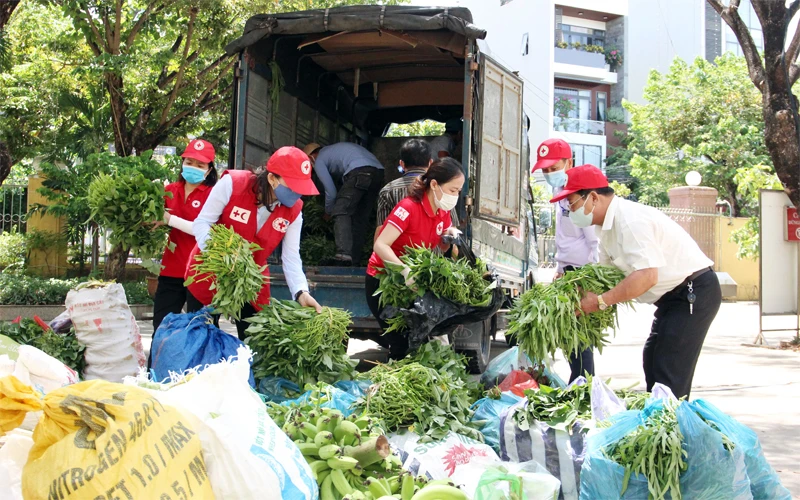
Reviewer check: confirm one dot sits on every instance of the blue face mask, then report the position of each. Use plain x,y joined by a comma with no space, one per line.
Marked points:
193,175
286,196
556,179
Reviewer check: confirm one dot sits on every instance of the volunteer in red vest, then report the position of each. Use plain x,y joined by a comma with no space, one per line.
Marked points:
263,207
420,219
189,194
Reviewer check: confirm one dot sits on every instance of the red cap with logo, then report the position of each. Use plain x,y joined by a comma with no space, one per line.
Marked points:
551,152
294,167
199,150
583,177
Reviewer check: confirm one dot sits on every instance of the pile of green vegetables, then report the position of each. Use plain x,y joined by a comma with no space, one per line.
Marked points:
654,450
38,334
350,456
228,262
558,408
296,343
128,203
428,401
544,319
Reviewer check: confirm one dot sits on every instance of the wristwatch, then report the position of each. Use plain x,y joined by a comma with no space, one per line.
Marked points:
601,304
298,294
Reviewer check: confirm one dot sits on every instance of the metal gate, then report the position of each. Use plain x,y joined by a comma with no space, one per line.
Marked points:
14,208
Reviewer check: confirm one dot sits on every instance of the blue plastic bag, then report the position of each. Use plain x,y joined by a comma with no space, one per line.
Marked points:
764,482
514,359
278,390
190,340
356,388
713,472
488,411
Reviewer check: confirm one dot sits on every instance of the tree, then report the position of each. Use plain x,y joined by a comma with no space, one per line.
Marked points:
705,117
6,9
422,128
773,76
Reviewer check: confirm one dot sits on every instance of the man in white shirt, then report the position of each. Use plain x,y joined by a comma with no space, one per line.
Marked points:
663,266
445,145
575,246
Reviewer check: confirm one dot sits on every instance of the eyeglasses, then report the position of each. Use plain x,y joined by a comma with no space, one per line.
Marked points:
570,205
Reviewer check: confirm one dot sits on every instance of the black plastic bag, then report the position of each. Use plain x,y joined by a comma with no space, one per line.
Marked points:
430,314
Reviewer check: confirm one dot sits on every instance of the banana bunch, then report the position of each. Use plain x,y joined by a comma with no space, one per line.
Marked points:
351,459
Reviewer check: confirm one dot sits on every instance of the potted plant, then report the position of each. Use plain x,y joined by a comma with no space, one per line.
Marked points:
152,285
613,57
563,107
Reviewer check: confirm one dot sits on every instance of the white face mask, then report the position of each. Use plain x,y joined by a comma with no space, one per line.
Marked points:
581,219
447,202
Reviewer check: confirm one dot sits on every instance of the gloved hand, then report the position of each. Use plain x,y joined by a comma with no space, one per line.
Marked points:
450,235
409,279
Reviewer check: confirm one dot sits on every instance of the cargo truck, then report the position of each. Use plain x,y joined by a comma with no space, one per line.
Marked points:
348,74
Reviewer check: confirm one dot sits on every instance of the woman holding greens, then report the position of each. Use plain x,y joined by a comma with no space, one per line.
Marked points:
189,194
420,219
265,208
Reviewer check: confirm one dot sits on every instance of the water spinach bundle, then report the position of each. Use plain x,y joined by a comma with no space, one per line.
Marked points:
543,319
296,343
558,408
228,262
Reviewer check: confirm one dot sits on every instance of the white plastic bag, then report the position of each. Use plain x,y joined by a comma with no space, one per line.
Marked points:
105,325
42,371
14,450
439,459
605,403
536,483
246,454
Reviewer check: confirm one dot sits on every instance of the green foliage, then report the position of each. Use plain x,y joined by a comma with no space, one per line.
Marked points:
613,56
136,292
620,190
558,408
615,115
13,250
64,348
422,128
24,290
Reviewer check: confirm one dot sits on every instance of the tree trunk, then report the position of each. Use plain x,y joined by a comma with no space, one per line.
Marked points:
5,162
6,9
119,118
115,263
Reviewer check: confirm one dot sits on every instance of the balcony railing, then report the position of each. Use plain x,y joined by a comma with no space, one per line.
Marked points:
579,126
580,58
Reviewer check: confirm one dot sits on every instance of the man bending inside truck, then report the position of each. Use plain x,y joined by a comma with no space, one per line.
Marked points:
415,158
352,177
445,145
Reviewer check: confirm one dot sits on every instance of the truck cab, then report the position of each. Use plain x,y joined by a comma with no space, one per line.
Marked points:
348,74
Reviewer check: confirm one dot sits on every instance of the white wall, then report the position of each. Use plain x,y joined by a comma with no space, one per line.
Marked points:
657,31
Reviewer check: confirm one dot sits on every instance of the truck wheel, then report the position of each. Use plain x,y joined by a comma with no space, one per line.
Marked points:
479,359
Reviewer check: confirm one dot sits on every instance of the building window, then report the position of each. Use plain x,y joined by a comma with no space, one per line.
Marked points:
524,44
750,20
573,103
587,154
601,106
578,34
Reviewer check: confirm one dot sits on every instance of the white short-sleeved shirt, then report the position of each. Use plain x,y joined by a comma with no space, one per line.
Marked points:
635,237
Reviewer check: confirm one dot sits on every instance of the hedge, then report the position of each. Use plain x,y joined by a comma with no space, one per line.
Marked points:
24,290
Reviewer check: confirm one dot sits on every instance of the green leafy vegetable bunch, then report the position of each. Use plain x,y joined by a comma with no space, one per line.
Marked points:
544,319
64,348
558,408
296,343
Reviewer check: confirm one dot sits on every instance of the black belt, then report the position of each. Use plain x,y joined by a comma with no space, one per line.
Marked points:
692,277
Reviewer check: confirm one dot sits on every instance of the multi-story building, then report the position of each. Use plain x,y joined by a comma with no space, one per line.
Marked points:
561,50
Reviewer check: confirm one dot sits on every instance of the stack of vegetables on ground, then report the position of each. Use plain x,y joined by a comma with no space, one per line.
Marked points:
228,262
296,343
454,280
558,408
37,333
350,456
543,319
430,401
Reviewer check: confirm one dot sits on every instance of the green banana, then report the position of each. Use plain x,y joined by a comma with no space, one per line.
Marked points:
326,489
386,485
342,463
329,451
346,429
408,487
323,438
322,475
445,482
309,430
394,484
322,423
363,422
308,449
376,488
440,492
340,482
318,466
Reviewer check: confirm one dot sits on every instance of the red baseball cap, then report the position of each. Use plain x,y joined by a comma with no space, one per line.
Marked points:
199,150
583,177
295,168
551,152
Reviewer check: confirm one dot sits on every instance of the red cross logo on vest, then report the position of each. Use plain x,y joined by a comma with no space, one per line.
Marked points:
439,228
240,215
280,224
196,204
305,167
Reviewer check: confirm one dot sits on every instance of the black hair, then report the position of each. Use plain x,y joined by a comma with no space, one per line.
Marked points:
415,153
261,187
442,171
212,176
606,191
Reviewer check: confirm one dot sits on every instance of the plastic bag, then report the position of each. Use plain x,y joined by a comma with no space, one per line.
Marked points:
356,388
247,455
764,482
103,440
8,347
61,323
190,341
105,325
14,450
499,481
439,459
488,411
605,403
514,378
430,314
278,390
42,371
560,452
514,360
713,472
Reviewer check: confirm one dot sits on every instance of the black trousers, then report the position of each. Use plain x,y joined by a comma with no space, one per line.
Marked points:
676,337
194,305
396,342
355,203
582,363
170,298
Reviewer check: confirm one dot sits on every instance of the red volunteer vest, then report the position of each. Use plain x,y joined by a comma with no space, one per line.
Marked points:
240,214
